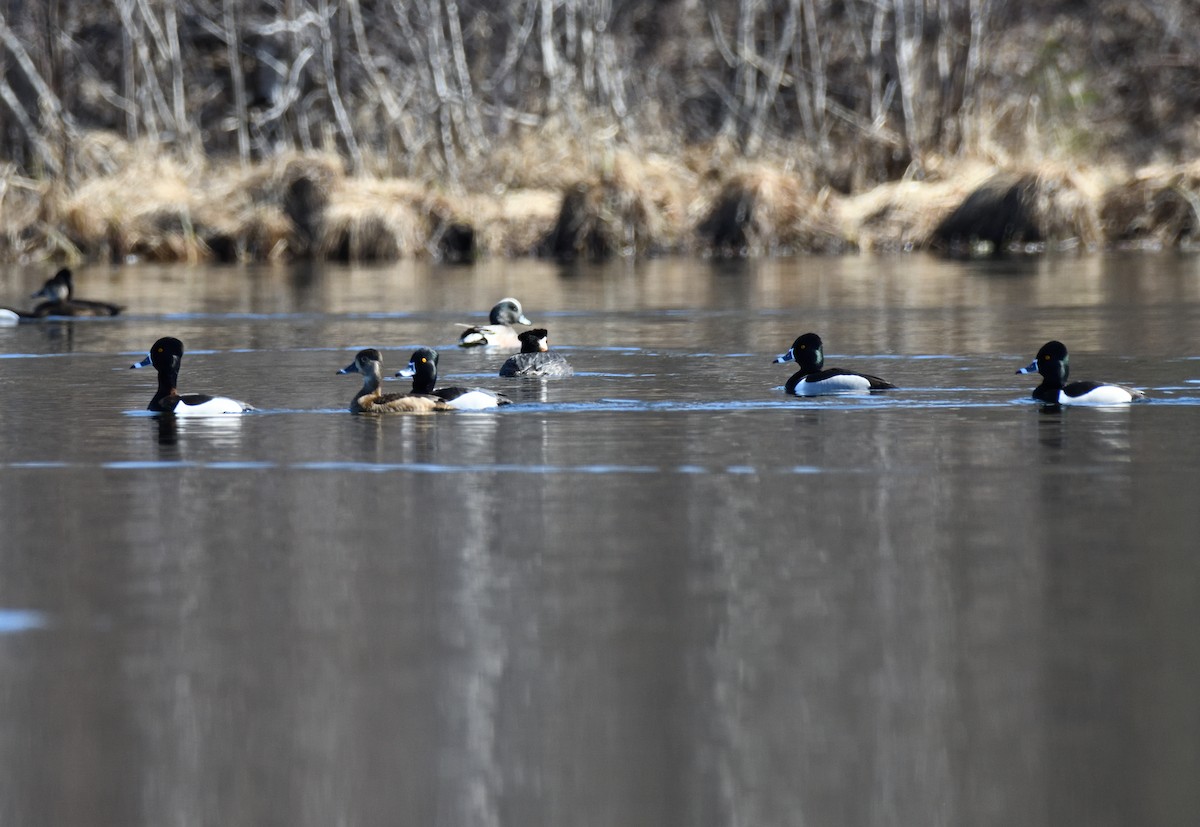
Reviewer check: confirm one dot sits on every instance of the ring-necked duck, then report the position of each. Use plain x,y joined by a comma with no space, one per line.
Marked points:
59,292
166,356
813,379
1052,363
369,399
422,367
498,332
535,358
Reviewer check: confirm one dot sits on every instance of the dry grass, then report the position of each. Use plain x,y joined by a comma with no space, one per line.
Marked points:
513,223
1053,204
903,215
368,219
629,206
760,210
1065,205
22,202
142,209
1154,208
134,203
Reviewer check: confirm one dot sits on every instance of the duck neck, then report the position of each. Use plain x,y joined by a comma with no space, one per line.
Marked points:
811,366
1054,376
424,379
167,381
371,382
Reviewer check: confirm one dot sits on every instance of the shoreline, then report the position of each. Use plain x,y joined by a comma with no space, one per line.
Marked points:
151,206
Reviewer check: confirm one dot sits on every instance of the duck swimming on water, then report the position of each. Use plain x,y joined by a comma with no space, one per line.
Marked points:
536,359
59,294
1053,363
166,356
422,367
370,399
814,379
499,331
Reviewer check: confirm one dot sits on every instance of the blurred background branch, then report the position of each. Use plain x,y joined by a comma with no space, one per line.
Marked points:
861,90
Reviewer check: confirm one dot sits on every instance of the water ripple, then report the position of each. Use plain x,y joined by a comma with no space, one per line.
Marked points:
426,467
21,620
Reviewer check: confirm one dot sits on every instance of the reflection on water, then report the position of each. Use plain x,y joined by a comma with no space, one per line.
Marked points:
206,433
658,592
18,620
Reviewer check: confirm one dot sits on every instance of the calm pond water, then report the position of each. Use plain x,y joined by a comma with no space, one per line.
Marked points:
657,593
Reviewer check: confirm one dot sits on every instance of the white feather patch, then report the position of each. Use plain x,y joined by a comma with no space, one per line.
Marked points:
846,383
213,407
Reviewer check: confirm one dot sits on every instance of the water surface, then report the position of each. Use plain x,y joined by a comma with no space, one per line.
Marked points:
659,592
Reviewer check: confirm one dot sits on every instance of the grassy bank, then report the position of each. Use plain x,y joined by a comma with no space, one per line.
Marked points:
142,204
361,129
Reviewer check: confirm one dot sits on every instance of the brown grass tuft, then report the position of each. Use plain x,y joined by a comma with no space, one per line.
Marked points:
305,183
632,206
762,210
1051,204
136,203
901,215
514,223
1065,206
370,220
142,208
1158,207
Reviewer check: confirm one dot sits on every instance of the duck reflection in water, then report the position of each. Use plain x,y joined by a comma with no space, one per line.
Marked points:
211,436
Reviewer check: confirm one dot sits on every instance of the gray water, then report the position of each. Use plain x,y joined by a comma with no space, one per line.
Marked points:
658,593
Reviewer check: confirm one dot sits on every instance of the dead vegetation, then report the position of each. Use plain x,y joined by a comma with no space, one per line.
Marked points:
371,129
149,206
1023,211
761,211
1157,208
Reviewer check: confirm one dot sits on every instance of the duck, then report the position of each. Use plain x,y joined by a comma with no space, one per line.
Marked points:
166,355
58,292
11,315
535,358
1053,363
369,399
499,331
422,367
814,379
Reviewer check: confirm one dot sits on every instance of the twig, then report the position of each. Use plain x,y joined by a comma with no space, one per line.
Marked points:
335,98
237,80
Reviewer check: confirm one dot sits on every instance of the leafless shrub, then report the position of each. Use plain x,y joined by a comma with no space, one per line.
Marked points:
478,98
434,87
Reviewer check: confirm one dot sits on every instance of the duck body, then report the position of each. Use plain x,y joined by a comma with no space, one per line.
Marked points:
370,399
498,332
536,358
60,301
166,356
814,379
1053,363
422,367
